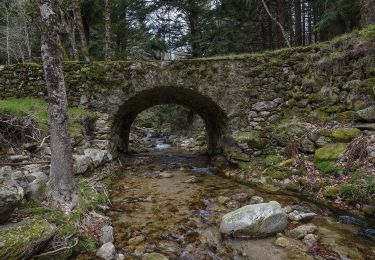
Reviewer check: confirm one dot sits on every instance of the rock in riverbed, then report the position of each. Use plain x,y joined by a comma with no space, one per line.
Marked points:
22,240
107,251
259,220
11,194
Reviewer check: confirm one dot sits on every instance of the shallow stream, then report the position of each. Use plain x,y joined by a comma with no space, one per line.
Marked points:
168,201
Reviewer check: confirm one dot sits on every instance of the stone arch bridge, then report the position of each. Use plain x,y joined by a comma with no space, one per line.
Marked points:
232,93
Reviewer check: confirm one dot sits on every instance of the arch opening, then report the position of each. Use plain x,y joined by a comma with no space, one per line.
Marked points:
213,116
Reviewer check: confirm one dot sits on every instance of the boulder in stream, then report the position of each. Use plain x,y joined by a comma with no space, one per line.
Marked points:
258,220
22,240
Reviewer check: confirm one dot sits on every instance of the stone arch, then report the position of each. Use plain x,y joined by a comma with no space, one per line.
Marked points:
215,119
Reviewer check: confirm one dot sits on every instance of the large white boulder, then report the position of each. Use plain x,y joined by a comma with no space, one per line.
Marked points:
258,220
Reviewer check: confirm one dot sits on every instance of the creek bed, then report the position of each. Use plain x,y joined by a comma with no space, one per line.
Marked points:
168,202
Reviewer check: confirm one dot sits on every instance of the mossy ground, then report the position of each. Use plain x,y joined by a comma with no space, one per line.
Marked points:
38,110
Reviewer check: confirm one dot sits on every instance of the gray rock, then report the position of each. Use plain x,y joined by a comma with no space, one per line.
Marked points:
370,126
107,251
257,220
97,156
11,194
35,190
367,114
256,200
264,106
241,197
300,231
307,146
310,240
301,216
81,163
322,141
107,235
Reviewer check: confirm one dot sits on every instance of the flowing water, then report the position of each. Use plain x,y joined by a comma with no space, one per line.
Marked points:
167,201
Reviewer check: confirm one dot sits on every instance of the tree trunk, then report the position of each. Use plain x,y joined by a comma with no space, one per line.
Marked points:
297,8
195,35
107,22
367,12
285,35
72,39
7,34
81,30
62,191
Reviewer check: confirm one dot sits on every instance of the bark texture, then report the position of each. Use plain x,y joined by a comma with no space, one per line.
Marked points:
81,30
368,12
62,191
107,23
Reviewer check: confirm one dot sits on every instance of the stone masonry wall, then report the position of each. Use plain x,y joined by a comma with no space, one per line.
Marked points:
255,91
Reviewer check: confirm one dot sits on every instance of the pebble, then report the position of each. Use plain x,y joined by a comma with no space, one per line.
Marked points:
256,200
136,240
300,216
107,251
222,199
300,231
310,240
166,175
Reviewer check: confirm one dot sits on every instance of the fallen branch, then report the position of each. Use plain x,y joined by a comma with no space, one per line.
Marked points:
59,249
25,163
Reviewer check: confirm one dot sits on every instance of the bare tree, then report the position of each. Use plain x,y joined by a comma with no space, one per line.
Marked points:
82,36
107,22
285,35
368,12
62,190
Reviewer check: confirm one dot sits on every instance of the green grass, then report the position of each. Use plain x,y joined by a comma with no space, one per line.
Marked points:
368,33
327,167
38,109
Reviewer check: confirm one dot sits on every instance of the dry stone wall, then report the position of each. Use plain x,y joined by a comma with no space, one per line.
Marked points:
333,80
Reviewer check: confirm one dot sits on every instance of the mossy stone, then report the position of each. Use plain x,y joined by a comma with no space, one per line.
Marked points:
22,240
253,138
277,174
330,151
346,117
346,134
287,163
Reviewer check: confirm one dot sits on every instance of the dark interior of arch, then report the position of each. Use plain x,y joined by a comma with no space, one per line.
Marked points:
214,117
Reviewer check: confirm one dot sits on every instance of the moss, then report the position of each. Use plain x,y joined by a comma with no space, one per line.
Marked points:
369,85
330,192
327,167
368,33
277,173
325,132
345,134
16,237
286,163
273,159
253,138
351,194
292,186
244,165
330,151
38,109
66,230
346,117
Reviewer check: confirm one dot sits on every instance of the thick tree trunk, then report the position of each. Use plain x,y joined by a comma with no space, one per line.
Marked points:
195,35
368,12
285,35
298,13
81,30
62,191
107,22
